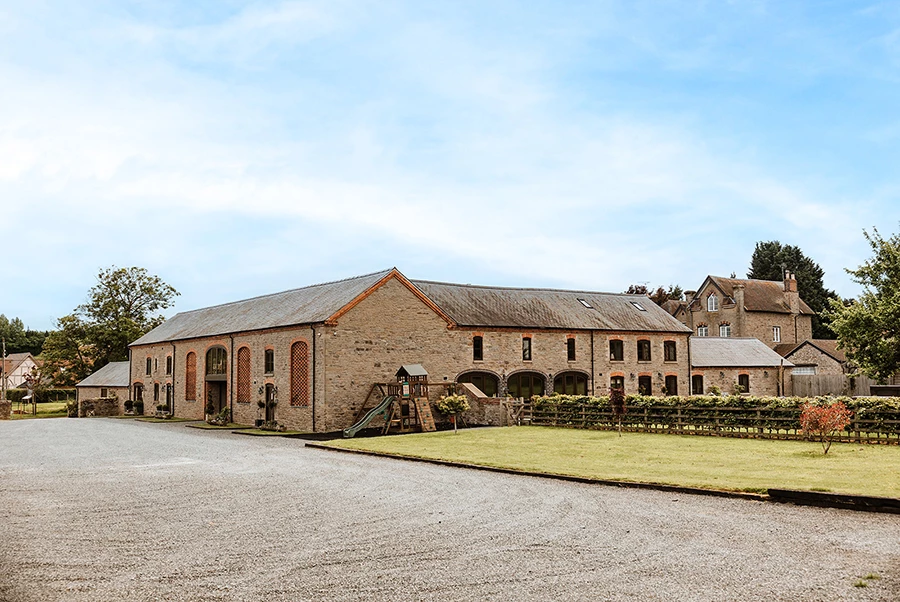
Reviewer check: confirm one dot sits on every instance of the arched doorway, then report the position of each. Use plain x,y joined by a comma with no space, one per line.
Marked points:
487,382
570,383
525,385
216,379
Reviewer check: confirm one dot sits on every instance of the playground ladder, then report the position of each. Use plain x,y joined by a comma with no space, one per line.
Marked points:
423,409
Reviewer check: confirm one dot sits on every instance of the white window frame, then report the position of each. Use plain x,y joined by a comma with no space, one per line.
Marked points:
804,370
712,303
725,331
703,331
776,334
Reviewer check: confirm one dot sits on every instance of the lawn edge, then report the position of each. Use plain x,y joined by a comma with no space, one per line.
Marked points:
782,496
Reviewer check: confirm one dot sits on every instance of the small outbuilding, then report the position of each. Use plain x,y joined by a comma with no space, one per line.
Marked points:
109,382
727,363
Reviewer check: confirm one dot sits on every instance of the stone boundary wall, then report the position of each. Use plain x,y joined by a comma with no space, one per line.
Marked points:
98,407
5,409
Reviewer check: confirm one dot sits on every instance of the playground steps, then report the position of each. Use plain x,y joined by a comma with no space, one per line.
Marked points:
423,409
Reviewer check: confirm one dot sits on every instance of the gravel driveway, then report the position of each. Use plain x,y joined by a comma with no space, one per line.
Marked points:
104,509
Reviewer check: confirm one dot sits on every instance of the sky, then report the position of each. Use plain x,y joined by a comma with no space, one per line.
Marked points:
236,149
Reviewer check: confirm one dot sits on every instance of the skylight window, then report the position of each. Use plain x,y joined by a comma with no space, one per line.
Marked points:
638,305
585,303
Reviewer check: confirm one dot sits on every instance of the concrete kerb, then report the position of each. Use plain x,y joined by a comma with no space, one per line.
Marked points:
801,498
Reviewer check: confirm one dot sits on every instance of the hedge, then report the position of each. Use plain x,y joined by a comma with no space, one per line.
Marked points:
42,395
729,415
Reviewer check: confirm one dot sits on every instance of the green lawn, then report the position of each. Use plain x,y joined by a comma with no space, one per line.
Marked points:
155,419
50,409
691,461
213,427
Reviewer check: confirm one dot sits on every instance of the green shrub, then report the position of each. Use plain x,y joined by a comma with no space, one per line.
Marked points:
72,409
15,395
139,407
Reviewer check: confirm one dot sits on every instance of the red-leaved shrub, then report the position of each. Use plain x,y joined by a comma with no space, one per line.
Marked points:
823,421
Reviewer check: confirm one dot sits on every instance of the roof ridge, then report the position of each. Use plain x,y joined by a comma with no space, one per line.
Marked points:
518,288
290,290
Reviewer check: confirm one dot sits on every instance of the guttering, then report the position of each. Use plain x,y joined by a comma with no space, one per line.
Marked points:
313,378
593,375
231,380
173,378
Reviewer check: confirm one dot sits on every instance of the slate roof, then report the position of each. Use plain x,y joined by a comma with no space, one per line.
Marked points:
525,308
715,352
826,346
465,304
113,374
760,295
307,305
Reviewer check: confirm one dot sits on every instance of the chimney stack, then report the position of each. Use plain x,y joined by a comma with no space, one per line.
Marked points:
790,283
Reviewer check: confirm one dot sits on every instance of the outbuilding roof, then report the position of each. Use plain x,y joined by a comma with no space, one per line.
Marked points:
727,352
113,374
827,346
499,307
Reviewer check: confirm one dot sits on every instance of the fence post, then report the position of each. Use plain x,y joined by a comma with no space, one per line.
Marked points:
678,429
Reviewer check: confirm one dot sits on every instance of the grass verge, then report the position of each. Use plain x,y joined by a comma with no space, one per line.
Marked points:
154,419
232,426
50,409
752,465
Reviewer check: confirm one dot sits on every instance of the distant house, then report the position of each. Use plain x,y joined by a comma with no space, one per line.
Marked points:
109,381
15,368
726,362
815,356
770,311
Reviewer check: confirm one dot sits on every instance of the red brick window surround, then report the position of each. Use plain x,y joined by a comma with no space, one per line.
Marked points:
243,375
190,377
300,374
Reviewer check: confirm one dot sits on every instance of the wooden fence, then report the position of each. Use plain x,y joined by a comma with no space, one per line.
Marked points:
761,422
815,385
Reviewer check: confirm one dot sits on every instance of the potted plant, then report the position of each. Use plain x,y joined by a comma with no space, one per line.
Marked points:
129,407
139,407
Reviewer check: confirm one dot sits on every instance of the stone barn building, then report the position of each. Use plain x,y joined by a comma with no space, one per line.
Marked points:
317,351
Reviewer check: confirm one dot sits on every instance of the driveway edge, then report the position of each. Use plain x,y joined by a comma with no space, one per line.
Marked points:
782,496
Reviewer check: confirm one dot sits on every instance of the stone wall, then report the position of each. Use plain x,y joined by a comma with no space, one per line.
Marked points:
5,409
121,394
763,381
811,356
98,407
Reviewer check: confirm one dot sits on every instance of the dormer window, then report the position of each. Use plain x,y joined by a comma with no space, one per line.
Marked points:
712,303
724,329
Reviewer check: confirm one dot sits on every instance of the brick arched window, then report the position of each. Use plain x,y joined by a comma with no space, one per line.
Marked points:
243,375
300,374
190,377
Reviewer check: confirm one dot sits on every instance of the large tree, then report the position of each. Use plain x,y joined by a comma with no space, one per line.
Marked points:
769,262
122,306
20,339
869,328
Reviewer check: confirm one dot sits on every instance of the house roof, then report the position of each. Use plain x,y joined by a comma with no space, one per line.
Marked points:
307,305
113,374
458,304
488,306
759,295
715,352
14,360
827,346
673,307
